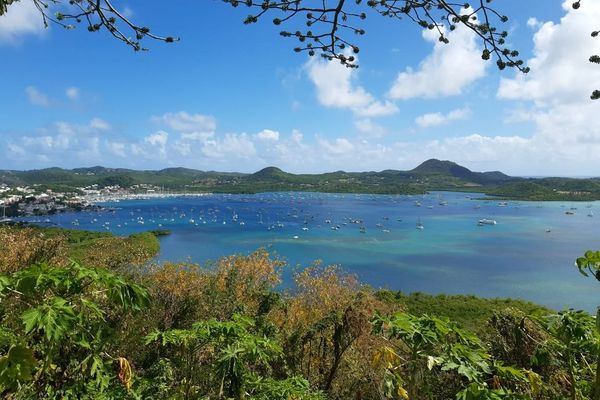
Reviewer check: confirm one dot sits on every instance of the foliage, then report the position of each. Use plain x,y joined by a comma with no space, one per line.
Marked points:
471,312
225,355
573,345
56,335
223,330
22,246
420,347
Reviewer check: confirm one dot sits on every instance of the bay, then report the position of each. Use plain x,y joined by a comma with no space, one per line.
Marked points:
529,254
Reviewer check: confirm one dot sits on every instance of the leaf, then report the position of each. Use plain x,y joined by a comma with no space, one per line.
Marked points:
16,367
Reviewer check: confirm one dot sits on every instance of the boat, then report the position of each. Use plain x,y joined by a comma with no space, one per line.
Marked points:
485,221
590,214
568,212
420,226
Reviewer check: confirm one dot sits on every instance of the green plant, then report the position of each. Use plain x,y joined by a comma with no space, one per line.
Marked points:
420,346
56,335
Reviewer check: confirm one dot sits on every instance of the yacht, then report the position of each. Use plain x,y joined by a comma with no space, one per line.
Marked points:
420,226
485,221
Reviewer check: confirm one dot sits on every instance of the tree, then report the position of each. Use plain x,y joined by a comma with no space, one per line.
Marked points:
594,58
96,14
328,24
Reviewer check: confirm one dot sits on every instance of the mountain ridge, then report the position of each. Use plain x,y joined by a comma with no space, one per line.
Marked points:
432,174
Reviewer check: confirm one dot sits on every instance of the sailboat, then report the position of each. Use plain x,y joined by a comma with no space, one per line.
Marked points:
4,219
420,225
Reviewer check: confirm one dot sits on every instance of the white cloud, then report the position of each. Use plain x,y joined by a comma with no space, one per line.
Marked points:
21,19
72,93
268,135
558,89
99,124
437,119
155,145
188,123
36,97
118,149
157,139
560,70
336,88
337,146
369,128
238,146
447,71
534,23
60,143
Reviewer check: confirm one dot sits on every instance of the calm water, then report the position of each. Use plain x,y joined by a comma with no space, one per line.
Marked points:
518,257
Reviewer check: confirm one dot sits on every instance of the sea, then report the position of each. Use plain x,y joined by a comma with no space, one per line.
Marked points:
427,243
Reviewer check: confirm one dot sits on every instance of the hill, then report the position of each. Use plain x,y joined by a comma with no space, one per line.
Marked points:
430,175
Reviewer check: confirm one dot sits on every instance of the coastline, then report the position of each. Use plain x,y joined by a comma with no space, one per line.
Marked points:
115,198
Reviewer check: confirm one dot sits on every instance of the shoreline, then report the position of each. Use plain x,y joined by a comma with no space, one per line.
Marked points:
115,198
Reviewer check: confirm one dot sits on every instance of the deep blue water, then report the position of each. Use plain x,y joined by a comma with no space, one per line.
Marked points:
518,257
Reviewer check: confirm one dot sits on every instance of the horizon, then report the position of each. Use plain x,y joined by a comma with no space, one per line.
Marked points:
250,172
407,102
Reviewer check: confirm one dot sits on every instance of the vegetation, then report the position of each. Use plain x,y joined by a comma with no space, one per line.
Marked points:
222,331
25,245
430,175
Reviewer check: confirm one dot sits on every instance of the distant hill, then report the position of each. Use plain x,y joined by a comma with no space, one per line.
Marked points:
430,175
449,168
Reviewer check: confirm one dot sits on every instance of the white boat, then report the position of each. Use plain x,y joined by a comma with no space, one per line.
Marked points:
420,226
591,213
485,221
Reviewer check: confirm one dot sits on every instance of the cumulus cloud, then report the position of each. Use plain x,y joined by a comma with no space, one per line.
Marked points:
61,142
336,146
21,19
231,145
268,135
336,87
369,128
447,71
183,121
437,119
558,89
36,97
99,124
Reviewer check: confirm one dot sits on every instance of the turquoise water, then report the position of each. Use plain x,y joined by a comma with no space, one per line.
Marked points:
518,257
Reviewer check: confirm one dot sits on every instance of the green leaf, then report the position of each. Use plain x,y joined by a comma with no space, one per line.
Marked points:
16,367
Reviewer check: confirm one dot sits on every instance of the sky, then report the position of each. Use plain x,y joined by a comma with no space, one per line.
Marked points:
235,97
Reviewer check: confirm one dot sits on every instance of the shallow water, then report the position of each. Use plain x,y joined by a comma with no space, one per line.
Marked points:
452,254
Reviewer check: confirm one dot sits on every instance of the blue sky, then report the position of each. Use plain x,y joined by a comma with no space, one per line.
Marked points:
233,97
